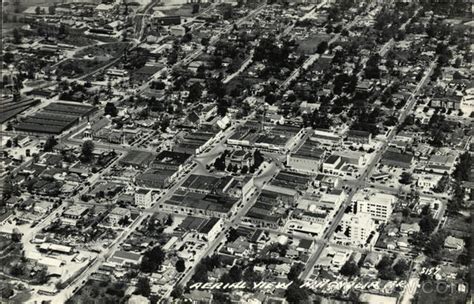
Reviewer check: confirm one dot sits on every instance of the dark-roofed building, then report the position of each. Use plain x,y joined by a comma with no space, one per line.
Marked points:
305,246
137,159
206,184
307,158
54,118
201,204
124,258
396,159
166,20
266,212
156,178
211,229
170,160
359,137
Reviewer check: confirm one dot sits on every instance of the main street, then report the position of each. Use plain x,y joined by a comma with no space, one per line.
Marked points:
361,181
232,222
94,265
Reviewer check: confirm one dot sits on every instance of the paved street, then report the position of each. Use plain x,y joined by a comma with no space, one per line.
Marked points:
361,181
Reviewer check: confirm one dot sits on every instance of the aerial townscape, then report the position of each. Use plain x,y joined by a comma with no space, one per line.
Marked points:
236,151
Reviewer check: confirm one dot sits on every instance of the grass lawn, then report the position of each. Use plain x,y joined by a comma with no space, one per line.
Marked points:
110,50
100,292
78,67
309,46
436,292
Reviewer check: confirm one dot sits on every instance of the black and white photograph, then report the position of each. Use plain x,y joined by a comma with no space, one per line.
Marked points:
236,152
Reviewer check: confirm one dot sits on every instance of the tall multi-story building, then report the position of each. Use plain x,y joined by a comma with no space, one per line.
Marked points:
357,227
378,205
143,198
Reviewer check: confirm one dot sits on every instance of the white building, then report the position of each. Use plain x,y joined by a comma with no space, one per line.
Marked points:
178,30
428,182
143,198
118,214
333,165
357,227
467,101
378,205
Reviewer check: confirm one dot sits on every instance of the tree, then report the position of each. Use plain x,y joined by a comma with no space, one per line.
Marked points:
406,212
257,158
385,262
233,235
228,12
435,244
235,273
250,276
461,172
52,10
49,144
7,292
152,260
372,70
17,270
165,123
295,271
87,150
38,10
219,164
16,235
8,58
187,38
406,178
428,224
177,292
385,269
195,8
123,221
200,275
401,267
169,220
158,85
172,57
16,36
110,109
322,47
143,287
295,294
195,92
180,265
349,268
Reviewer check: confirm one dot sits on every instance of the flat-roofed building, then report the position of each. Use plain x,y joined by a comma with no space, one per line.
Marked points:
355,158
124,258
333,164
359,137
137,159
143,198
378,205
307,158
396,159
357,227
117,214
326,138
156,178
74,213
192,203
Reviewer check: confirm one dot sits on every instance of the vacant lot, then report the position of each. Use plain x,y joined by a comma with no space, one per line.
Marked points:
109,50
100,292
